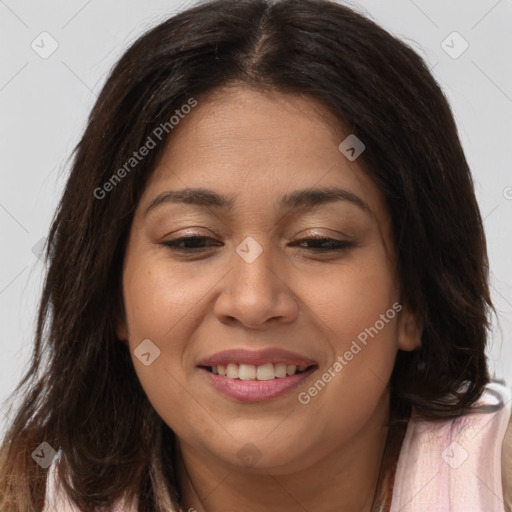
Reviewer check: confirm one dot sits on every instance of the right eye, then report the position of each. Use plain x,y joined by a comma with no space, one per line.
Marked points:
174,245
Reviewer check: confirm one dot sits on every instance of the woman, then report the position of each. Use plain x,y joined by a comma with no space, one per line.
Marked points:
267,286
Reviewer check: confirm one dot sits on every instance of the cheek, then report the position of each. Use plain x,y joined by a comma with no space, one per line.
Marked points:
160,307
159,295
358,308
353,297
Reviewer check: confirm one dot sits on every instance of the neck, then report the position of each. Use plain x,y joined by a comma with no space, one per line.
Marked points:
346,480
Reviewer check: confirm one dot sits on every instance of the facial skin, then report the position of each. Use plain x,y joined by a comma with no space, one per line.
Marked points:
258,147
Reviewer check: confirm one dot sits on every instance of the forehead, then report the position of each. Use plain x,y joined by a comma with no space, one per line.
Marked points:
261,146
243,125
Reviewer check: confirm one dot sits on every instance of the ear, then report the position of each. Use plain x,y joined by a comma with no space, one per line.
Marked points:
410,329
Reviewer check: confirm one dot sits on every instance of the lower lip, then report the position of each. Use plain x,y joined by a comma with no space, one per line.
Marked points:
256,390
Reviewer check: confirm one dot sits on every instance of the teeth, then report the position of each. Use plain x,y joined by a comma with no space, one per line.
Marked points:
246,372
266,371
232,371
290,369
280,370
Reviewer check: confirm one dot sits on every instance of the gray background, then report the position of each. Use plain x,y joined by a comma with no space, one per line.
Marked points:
45,103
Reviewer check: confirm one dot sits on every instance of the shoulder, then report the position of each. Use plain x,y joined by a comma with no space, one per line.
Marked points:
506,464
56,499
464,463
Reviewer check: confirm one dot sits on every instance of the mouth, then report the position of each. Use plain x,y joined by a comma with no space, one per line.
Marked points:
249,376
262,372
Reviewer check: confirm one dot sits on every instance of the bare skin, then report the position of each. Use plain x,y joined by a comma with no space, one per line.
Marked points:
321,455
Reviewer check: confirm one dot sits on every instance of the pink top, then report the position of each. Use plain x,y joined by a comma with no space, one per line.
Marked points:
454,466
445,466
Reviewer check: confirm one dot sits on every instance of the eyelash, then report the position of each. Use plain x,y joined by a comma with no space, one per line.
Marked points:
173,244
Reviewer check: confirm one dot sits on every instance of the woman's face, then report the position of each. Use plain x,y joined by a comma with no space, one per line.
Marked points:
260,289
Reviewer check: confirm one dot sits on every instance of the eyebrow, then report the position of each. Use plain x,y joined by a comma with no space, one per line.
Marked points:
298,199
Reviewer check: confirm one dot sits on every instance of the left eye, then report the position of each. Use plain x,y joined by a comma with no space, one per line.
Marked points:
332,244
323,244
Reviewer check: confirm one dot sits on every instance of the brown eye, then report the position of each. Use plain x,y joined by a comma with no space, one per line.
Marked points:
192,243
325,244
197,243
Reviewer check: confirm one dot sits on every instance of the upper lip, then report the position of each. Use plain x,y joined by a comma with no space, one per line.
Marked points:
256,357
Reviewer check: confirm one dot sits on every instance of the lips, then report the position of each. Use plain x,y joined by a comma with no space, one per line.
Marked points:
254,376
257,358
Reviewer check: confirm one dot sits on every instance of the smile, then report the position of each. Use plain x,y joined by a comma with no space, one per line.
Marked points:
255,376
268,371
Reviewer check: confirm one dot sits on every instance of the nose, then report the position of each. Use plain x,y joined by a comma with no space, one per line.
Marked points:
256,292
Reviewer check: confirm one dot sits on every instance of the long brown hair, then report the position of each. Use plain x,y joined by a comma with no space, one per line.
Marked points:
81,393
